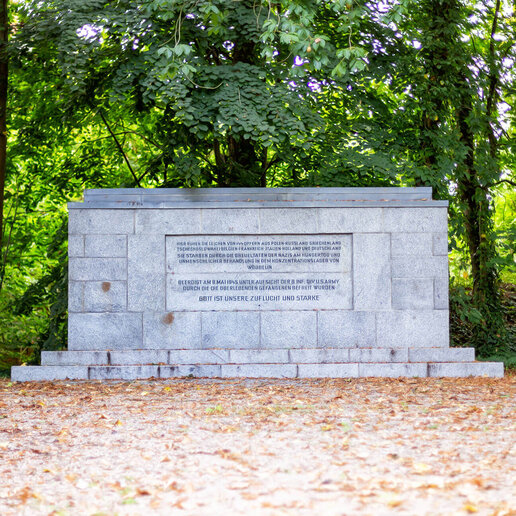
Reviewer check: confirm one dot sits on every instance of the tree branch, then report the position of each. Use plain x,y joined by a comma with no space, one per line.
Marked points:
508,181
126,159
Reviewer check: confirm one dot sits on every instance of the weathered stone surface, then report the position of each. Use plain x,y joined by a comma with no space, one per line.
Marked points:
75,296
412,329
198,356
411,244
76,245
371,277
327,370
392,370
125,372
105,246
461,370
105,296
168,222
219,221
318,356
420,267
42,373
100,221
259,370
440,243
442,355
172,330
292,220
138,357
71,358
198,371
378,355
230,330
441,293
90,331
346,329
288,329
415,220
97,269
146,273
350,220
412,294
258,356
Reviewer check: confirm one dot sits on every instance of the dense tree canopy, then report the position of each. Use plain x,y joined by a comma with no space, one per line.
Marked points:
210,93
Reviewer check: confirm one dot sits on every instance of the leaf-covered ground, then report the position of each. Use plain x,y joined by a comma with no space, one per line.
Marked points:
368,446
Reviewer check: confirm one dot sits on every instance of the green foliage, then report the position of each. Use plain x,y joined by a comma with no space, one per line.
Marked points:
466,319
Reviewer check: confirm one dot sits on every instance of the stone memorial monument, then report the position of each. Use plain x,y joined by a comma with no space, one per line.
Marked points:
253,282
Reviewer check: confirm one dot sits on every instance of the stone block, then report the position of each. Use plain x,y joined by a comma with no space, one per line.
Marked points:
318,356
97,269
415,220
350,220
230,330
138,357
412,294
392,370
100,221
124,372
441,293
104,331
371,271
146,273
259,370
412,329
258,356
420,267
74,358
48,373
198,371
76,245
410,244
327,370
217,221
291,220
346,329
440,244
464,369
75,296
105,246
168,222
378,355
290,329
442,355
105,296
198,356
172,330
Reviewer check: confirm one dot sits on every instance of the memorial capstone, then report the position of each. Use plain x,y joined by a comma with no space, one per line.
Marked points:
279,282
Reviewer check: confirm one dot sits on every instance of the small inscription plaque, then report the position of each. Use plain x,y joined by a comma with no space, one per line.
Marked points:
258,272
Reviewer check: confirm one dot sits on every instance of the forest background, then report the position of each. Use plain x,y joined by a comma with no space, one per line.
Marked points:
223,93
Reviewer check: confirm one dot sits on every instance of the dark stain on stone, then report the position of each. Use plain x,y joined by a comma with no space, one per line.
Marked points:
106,286
169,318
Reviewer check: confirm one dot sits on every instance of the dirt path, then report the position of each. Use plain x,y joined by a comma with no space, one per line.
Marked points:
271,447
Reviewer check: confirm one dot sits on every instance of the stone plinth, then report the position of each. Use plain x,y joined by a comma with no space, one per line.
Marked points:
288,282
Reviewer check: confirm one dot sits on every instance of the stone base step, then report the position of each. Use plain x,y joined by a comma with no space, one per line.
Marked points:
254,370
255,356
